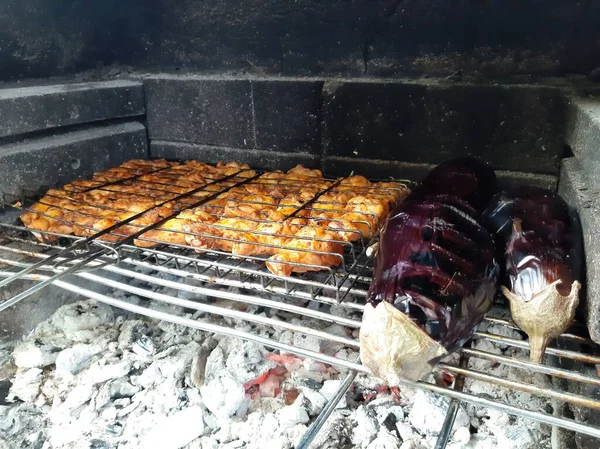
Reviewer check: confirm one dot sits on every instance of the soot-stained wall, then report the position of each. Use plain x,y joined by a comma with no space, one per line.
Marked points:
469,38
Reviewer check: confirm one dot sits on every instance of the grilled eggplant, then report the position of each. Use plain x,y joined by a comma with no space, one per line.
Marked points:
540,238
436,273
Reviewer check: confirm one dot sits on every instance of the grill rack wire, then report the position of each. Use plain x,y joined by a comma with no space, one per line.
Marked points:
115,264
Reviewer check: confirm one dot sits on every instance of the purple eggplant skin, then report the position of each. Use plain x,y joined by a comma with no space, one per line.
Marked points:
543,260
540,238
436,263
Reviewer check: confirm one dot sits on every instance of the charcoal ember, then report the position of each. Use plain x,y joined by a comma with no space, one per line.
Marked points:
198,366
130,331
120,388
461,436
224,396
74,359
246,361
99,373
315,401
330,387
435,276
406,431
540,240
367,426
26,385
515,438
82,315
412,444
35,354
384,440
177,430
431,411
143,346
290,415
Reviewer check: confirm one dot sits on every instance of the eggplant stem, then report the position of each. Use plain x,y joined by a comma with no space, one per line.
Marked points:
537,348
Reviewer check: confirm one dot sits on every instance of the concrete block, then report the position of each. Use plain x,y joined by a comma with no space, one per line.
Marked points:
200,110
36,108
583,135
512,127
287,115
574,186
259,159
57,160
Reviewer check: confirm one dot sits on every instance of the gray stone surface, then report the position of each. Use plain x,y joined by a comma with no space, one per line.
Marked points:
37,108
208,111
287,115
57,160
39,38
583,135
511,127
337,166
267,160
574,186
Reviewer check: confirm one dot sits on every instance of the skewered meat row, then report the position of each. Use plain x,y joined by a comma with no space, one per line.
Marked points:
276,214
86,207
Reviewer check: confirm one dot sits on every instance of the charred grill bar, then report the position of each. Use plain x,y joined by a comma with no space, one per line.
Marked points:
328,128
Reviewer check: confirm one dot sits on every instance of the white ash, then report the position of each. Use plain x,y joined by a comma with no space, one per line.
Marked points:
94,377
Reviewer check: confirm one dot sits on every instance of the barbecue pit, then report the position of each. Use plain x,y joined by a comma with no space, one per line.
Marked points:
106,344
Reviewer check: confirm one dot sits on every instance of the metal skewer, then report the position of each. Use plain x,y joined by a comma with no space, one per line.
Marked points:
314,429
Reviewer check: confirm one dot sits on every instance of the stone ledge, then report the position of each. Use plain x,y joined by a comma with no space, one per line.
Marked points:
37,108
259,159
375,169
574,187
583,135
60,159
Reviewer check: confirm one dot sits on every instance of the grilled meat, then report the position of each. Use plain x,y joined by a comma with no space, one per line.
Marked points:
279,215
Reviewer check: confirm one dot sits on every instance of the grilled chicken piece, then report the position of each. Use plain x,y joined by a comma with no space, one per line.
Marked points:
291,203
256,207
312,246
301,172
352,182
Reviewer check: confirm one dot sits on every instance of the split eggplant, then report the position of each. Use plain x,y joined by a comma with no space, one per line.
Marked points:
540,238
436,273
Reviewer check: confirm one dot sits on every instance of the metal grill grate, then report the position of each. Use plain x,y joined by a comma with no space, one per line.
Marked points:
121,266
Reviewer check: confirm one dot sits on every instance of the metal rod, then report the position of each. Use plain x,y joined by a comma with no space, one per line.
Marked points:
314,198
316,426
201,307
85,241
446,430
539,368
551,351
566,423
528,388
15,299
44,283
201,325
